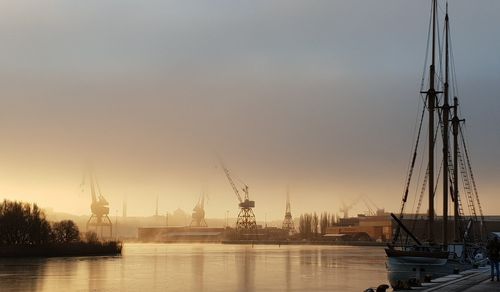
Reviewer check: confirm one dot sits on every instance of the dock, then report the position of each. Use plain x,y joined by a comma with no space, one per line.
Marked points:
468,281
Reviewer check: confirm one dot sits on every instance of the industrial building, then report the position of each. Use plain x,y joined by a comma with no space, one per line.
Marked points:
362,227
380,227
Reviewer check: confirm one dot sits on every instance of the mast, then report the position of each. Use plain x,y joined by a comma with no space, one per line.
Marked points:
455,123
446,117
431,100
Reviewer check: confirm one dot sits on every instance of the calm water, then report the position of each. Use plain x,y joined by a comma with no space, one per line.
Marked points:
199,267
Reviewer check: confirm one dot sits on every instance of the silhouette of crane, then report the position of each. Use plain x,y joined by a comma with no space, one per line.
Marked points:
246,217
288,224
346,208
368,203
198,216
99,206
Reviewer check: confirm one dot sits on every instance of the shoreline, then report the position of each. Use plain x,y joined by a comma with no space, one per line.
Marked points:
299,242
76,249
271,242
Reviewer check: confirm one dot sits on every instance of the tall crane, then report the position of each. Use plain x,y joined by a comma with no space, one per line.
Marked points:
345,208
198,216
288,224
246,217
378,211
99,207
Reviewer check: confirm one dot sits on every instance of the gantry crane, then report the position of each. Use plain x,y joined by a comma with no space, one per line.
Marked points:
198,216
246,218
99,207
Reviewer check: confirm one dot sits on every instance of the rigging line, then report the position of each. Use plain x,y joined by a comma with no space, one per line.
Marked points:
440,49
453,69
435,139
453,65
440,76
450,164
423,97
415,135
422,194
415,138
476,193
467,186
450,170
405,196
426,59
441,8
421,164
437,179
467,190
422,84
412,165
422,79
419,177
420,198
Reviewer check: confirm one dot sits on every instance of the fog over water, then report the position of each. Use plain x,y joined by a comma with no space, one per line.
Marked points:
317,95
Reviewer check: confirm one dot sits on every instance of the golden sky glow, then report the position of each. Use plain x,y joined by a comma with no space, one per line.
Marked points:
320,96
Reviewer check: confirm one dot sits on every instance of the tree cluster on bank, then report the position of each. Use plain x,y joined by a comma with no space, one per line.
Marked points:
23,224
312,226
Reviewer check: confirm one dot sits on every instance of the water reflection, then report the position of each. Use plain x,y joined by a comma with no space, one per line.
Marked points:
21,274
96,274
197,267
288,270
246,269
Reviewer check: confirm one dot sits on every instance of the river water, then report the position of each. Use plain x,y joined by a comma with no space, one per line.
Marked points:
203,267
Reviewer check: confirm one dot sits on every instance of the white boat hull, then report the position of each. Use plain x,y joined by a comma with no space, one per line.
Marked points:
407,272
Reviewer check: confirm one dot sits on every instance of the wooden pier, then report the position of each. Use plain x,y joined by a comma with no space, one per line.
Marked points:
468,281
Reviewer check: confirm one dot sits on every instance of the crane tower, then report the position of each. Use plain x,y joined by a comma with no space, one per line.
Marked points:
346,208
288,224
198,216
99,220
246,218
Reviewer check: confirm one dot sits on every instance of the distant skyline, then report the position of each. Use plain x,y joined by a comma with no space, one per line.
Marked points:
319,96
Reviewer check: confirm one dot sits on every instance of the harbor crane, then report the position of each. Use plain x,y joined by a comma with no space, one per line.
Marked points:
246,218
345,208
198,216
99,207
288,224
372,212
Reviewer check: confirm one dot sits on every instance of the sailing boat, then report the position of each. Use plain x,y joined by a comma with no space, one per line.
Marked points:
411,261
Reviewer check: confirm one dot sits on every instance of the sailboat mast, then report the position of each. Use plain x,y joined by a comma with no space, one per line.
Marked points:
455,122
431,100
446,117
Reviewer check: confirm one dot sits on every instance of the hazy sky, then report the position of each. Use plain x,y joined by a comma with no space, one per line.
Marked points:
321,96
